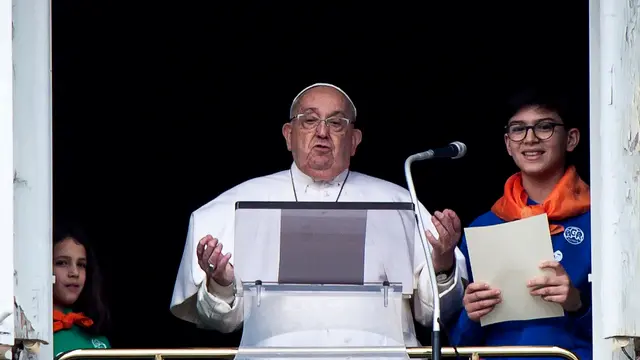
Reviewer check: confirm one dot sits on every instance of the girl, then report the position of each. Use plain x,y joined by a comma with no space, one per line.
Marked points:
80,316
538,138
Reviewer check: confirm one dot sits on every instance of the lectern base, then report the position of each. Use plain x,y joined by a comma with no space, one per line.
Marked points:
322,322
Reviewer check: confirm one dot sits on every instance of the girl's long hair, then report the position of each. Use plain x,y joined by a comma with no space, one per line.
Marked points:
91,301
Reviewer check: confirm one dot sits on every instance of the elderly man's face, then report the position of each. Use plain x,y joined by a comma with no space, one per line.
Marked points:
322,149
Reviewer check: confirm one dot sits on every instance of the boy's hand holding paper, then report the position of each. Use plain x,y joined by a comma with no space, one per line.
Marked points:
513,269
556,287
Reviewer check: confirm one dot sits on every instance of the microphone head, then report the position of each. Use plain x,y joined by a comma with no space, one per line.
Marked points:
462,149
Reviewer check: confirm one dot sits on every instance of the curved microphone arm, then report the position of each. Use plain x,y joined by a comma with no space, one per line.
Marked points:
423,240
455,150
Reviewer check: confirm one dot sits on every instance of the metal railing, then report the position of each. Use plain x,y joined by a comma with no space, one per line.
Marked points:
230,353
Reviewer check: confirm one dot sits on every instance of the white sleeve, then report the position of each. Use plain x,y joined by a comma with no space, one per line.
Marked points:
190,301
451,291
222,310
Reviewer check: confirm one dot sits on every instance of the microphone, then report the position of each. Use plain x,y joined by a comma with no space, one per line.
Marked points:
455,150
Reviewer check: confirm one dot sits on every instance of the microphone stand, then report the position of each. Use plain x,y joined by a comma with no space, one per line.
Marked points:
436,346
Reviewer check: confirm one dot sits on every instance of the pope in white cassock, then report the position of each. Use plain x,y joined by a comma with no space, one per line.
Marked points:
322,138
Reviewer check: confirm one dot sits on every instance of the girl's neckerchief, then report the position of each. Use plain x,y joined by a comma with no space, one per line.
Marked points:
66,321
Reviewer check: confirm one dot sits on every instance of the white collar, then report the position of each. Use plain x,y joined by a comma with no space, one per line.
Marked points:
301,177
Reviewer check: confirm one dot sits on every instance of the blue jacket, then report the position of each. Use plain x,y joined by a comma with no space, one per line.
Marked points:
573,331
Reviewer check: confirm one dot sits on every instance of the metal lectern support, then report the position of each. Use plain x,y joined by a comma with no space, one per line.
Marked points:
258,287
385,291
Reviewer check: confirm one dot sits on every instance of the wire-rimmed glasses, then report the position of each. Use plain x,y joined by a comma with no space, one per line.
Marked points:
336,124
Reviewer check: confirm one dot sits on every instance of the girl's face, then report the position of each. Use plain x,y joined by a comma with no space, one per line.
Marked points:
70,270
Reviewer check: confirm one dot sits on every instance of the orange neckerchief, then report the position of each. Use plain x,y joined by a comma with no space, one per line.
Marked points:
66,321
569,198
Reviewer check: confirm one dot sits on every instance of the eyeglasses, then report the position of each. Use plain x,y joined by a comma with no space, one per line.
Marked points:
542,130
312,121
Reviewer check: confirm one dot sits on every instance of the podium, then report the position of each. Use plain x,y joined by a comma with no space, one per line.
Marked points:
324,280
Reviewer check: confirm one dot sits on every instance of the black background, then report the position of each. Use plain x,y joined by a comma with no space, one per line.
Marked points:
159,107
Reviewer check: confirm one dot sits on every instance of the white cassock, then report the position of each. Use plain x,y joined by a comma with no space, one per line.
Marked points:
223,311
